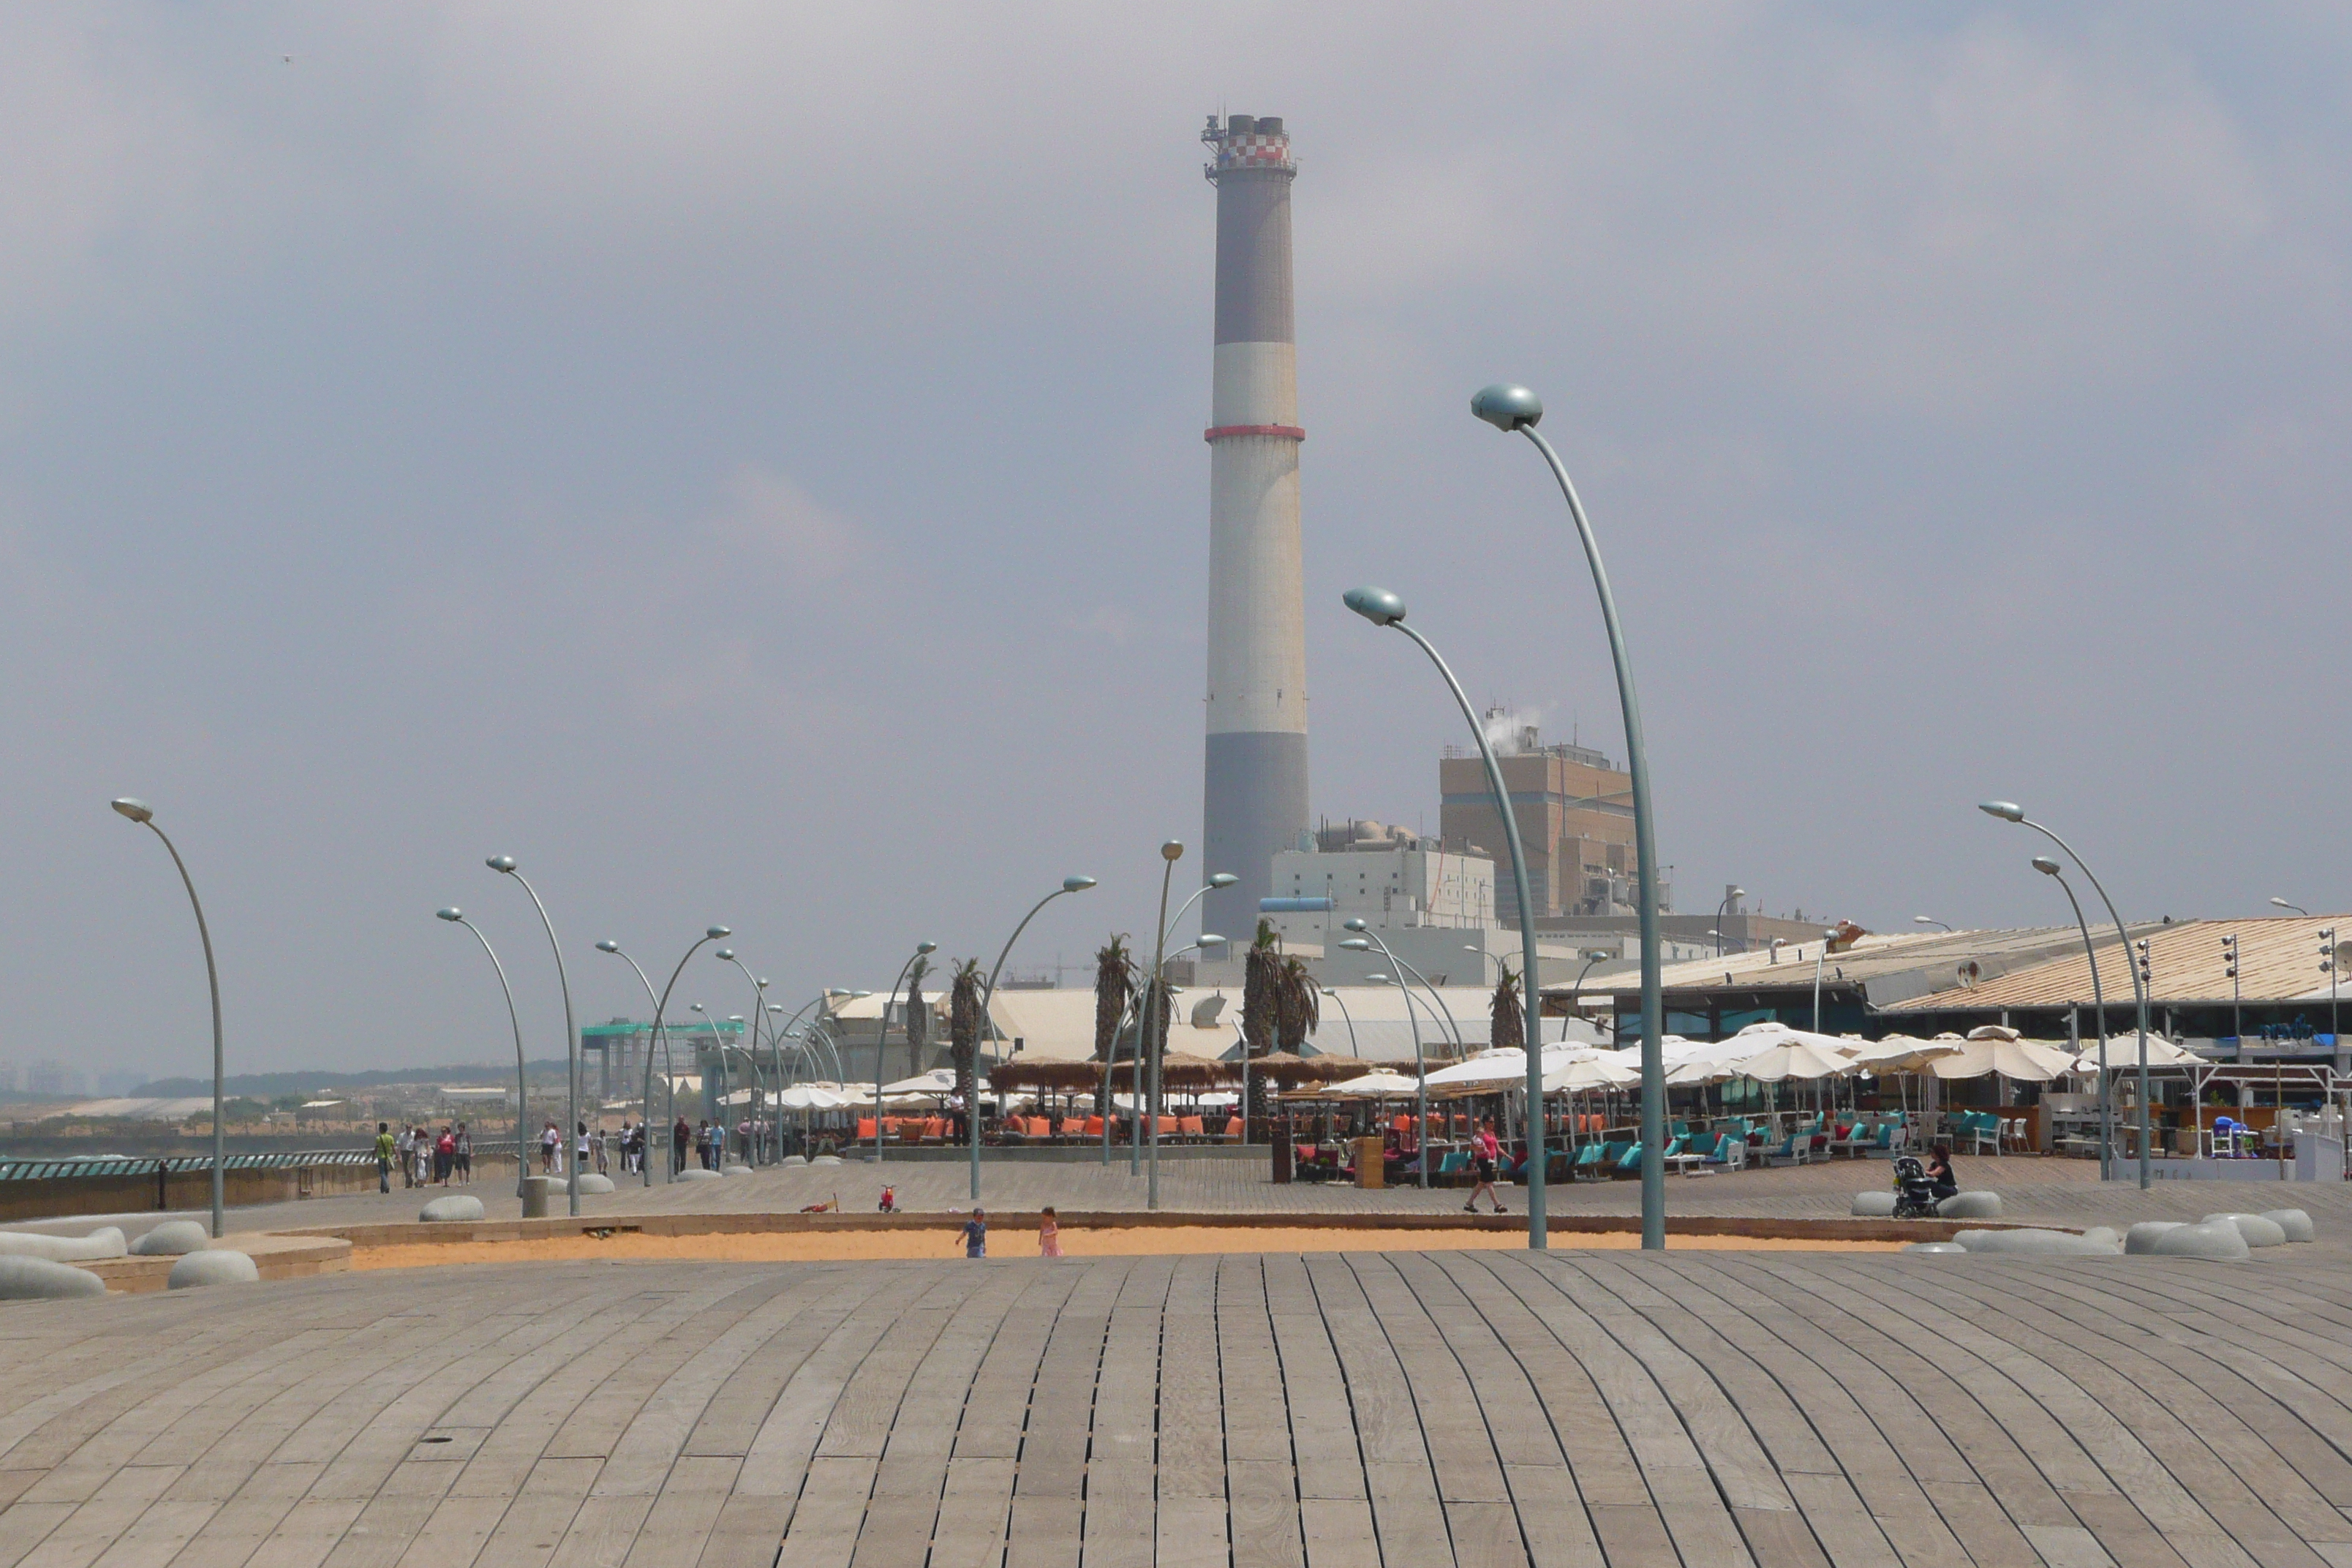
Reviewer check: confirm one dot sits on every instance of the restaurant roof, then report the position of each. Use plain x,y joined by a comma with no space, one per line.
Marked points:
2278,961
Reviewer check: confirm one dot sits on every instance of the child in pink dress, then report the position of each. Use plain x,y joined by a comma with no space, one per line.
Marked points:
1049,1235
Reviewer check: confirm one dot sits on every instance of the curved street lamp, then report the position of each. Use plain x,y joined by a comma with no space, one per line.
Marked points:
1333,993
1383,609
2298,909
1363,928
1484,959
758,1012
2051,868
1720,911
1930,920
987,1021
1515,409
2010,811
882,1035
1170,853
457,916
504,865
139,812
1420,1062
660,1039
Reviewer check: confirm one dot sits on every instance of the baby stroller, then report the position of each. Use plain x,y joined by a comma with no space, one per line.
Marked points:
1915,1194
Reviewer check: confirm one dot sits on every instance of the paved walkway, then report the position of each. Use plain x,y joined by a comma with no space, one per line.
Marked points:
2051,1191
1678,1410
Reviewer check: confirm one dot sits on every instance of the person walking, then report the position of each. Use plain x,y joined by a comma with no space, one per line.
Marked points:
677,1137
424,1156
387,1146
444,1155
1485,1152
550,1141
407,1145
975,1235
1049,1234
579,1146
598,1140
465,1153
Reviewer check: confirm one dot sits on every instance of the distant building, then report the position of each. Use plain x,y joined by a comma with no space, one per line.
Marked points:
54,1078
1575,811
1390,878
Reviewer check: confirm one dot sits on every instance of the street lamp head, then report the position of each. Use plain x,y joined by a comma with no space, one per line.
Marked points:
924,948
1223,879
1211,939
1355,923
1377,605
1735,893
1172,851
1077,884
503,864
715,933
453,913
1356,944
1327,991
1376,980
608,945
2007,810
1507,407
2046,866
1780,941
136,810
1597,955
725,955
861,995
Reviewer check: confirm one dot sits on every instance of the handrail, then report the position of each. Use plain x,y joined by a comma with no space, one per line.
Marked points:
147,1164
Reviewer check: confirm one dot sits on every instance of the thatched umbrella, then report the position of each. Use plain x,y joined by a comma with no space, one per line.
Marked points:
1287,1068
1046,1074
1182,1070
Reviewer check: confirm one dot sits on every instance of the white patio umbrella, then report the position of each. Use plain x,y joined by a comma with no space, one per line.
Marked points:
1379,1085
1589,1072
2029,1060
938,1081
1796,1059
2122,1051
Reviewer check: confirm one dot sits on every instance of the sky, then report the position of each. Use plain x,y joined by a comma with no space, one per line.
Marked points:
744,462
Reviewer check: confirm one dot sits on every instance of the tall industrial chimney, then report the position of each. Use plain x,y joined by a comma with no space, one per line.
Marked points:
1255,787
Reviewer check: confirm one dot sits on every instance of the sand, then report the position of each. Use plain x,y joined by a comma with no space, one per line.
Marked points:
819,1246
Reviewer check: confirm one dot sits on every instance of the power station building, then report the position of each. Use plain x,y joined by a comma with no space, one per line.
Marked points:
1253,795
1576,821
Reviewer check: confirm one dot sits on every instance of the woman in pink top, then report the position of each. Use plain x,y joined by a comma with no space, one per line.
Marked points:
1485,1152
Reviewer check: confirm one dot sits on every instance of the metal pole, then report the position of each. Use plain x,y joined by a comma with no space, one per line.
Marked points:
758,1011
987,1017
1538,1237
1332,991
661,1039
1170,853
142,814
522,1081
1453,1028
2139,986
505,865
882,1038
1645,851
1818,959
2098,1006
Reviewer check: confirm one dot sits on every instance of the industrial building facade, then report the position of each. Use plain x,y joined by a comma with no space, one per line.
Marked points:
1575,810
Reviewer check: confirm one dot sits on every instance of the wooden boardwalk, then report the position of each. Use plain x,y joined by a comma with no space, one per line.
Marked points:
1680,1410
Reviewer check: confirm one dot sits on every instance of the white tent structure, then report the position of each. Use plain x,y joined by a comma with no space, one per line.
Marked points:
2122,1051
2029,1061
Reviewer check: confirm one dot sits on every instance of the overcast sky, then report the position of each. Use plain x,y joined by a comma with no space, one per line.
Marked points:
745,462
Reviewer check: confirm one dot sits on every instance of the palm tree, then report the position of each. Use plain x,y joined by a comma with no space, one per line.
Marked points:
1261,992
1114,989
963,1034
918,1017
1508,1025
1297,1005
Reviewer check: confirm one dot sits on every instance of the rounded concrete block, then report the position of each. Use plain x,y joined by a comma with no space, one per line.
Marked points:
1970,1206
794,1160
697,1173
826,1160
2106,1235
2217,1241
105,1242
2044,1243
590,1183
40,1279
2140,1239
173,1238
455,1207
736,1171
1873,1206
215,1266
1940,1249
2258,1231
2294,1222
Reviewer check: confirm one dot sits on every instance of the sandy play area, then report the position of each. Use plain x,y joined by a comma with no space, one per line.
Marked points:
814,1247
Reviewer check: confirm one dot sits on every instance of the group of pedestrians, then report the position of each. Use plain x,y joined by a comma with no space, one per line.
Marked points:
423,1158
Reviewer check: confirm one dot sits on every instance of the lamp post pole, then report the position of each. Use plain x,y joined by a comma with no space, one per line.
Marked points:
1722,908
1383,609
2010,811
1363,928
1364,943
661,1039
504,865
1515,409
987,1018
1147,1019
1818,959
1333,993
758,1011
139,812
882,1036
2049,867
457,916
